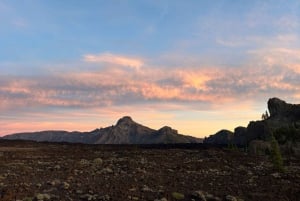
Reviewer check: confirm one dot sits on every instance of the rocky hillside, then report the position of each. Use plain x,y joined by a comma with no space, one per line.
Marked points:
126,131
283,122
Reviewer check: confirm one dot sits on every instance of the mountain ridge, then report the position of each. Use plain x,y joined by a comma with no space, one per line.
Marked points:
125,131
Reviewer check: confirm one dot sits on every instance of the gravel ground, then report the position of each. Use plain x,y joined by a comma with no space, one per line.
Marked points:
53,171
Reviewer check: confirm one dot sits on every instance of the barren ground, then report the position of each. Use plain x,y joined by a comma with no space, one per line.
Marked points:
51,171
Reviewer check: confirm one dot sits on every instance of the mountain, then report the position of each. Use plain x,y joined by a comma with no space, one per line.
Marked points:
283,122
126,131
221,137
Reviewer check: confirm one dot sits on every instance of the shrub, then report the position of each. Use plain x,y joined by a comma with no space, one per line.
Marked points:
275,155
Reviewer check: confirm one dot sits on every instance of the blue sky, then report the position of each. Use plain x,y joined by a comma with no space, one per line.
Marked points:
198,66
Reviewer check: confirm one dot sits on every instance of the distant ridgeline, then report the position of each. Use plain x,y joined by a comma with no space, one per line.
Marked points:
283,123
126,131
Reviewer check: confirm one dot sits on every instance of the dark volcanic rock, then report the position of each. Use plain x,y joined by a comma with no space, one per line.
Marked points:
258,130
65,172
222,137
279,109
126,131
239,136
282,116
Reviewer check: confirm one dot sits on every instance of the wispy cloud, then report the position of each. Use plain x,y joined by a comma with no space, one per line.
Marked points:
283,57
230,43
20,22
118,86
114,59
273,72
288,22
3,7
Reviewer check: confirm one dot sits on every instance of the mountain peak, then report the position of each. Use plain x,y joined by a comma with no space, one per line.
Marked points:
126,131
167,130
125,120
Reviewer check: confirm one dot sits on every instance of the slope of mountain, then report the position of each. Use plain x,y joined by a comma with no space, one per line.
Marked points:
126,131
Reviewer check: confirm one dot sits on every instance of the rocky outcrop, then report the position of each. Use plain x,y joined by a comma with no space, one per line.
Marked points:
223,137
258,130
126,131
226,137
282,115
280,110
239,136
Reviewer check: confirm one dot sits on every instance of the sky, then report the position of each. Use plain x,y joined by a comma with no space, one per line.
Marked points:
197,65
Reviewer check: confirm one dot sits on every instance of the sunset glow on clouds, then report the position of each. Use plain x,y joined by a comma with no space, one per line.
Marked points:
213,67
114,59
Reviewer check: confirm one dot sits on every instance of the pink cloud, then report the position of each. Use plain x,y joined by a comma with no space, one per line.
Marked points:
114,59
118,86
284,57
113,91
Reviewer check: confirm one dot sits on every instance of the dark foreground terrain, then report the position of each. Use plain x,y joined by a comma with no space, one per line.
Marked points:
48,171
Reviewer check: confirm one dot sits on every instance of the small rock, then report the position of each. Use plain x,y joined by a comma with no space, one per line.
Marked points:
209,196
57,167
141,170
276,175
249,173
70,178
88,197
132,189
146,189
104,198
54,182
199,195
2,177
28,199
79,191
97,162
178,196
42,197
66,185
107,170
84,162
230,198
162,199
